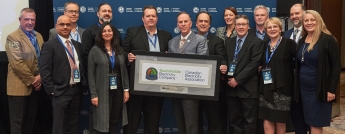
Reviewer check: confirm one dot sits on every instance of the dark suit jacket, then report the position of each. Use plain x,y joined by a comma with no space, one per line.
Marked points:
288,33
246,71
252,31
216,47
54,66
136,39
328,70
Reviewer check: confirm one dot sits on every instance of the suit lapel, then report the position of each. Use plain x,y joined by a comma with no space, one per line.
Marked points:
27,41
160,40
187,42
62,50
144,37
232,48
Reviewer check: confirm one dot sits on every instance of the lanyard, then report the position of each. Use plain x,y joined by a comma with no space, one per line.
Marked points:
69,54
99,24
269,59
237,51
153,43
112,60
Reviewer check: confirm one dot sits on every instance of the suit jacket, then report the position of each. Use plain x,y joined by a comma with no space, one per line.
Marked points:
195,44
55,68
137,39
252,31
23,63
328,68
53,33
246,71
216,47
287,34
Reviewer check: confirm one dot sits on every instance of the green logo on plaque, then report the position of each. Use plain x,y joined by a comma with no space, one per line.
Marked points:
151,74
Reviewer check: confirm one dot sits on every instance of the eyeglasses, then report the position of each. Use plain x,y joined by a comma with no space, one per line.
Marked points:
241,24
272,27
65,24
72,11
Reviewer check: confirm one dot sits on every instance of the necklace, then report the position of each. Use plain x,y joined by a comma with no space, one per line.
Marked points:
108,50
303,51
272,48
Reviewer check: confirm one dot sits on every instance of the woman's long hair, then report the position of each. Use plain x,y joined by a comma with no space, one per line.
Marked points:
115,41
319,27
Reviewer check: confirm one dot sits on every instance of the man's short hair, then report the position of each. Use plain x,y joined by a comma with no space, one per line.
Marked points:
71,2
209,15
243,17
149,7
100,5
301,5
27,10
260,7
183,12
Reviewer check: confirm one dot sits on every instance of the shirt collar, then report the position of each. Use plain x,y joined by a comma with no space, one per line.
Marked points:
243,38
64,39
258,31
299,29
33,32
186,37
149,32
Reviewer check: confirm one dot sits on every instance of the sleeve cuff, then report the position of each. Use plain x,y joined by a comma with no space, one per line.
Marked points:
126,90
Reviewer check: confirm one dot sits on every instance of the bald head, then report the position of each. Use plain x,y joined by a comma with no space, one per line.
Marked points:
296,13
63,26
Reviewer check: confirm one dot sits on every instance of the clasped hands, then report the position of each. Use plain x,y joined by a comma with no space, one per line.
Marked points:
37,83
94,101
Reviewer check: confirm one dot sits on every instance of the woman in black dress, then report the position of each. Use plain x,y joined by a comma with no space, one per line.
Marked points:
276,82
317,71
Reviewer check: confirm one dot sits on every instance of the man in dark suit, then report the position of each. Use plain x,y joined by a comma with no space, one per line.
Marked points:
295,33
61,72
71,10
215,110
186,110
260,17
244,57
147,38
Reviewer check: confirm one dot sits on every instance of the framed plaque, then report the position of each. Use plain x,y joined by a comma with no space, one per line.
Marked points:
175,75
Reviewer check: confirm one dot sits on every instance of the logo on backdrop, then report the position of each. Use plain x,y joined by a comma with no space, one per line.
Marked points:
82,9
268,8
86,131
151,74
138,9
121,9
248,10
212,10
176,30
159,9
195,9
239,9
60,9
90,9
212,30
274,10
160,130
54,9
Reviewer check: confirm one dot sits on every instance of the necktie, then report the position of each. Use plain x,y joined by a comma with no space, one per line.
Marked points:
295,34
71,63
182,42
239,45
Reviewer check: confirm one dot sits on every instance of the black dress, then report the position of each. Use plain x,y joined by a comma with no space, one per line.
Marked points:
316,113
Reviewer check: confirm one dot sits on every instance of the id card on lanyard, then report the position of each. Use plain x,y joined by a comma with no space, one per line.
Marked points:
233,64
112,76
266,72
76,77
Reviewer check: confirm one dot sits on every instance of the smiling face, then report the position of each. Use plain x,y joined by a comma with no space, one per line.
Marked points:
260,16
27,21
72,10
203,23
309,23
105,13
184,23
273,30
107,33
229,17
150,18
241,26
63,26
296,14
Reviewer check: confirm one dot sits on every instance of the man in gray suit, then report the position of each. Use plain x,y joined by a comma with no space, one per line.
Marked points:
72,11
186,110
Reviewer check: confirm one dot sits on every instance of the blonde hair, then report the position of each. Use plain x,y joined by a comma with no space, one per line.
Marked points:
319,27
273,20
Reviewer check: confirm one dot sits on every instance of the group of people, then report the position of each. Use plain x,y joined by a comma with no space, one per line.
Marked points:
267,76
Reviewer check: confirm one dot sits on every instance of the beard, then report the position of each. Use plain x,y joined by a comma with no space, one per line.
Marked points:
297,24
105,20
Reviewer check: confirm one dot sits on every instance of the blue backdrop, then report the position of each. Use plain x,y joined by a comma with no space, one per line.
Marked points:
128,13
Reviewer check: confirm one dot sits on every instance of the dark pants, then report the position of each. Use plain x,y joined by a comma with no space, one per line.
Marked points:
216,115
115,110
23,113
186,113
151,107
297,118
66,109
243,114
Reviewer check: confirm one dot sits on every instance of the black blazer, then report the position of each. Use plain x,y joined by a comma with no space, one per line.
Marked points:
54,66
252,31
216,47
329,67
137,39
282,69
248,62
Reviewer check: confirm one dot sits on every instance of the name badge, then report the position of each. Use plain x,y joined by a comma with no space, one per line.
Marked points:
232,68
76,76
266,75
112,82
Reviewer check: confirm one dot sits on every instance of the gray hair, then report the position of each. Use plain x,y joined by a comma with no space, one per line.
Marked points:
260,7
27,10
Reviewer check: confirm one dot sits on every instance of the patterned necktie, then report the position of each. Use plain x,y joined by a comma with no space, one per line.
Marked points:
295,34
71,63
182,42
239,45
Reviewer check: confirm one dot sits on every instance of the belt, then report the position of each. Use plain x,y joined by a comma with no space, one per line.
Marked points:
73,85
